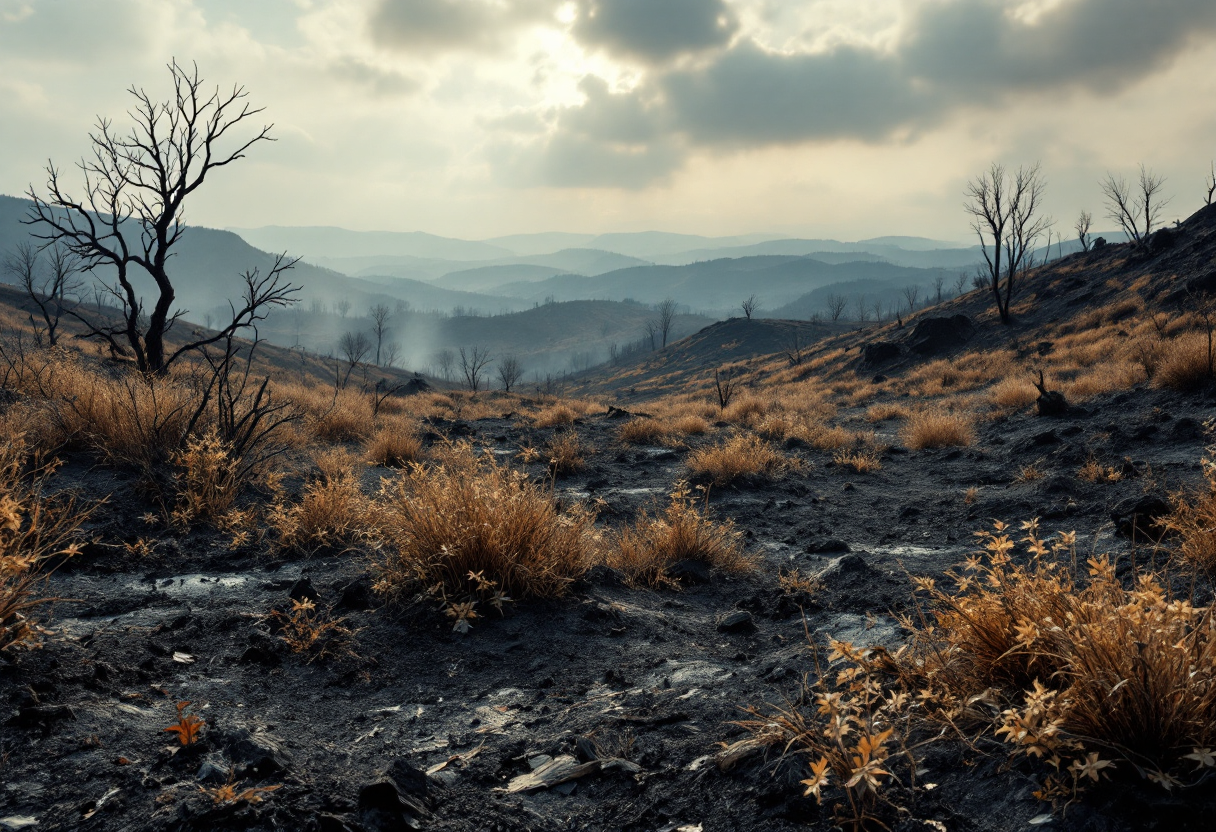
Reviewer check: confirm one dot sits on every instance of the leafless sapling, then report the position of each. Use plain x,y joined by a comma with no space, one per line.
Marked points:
1081,226
667,316
939,283
1006,216
911,295
836,305
473,361
50,288
510,371
379,314
725,383
129,218
1210,184
1136,207
354,347
749,307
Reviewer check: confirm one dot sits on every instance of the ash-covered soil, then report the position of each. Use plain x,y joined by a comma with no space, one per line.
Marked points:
634,689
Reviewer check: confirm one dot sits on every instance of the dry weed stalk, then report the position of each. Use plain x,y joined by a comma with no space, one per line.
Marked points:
307,630
394,445
1084,676
227,794
645,549
851,726
34,531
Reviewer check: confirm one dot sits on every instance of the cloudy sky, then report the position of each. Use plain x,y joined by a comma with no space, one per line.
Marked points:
473,118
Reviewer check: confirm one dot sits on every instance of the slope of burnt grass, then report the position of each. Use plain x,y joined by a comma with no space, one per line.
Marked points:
393,720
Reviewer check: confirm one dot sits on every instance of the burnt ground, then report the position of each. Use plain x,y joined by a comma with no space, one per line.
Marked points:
647,675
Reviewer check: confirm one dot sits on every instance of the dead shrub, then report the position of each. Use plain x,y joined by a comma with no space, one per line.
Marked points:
1085,675
937,430
645,549
741,456
34,531
469,529
1185,363
1095,471
394,444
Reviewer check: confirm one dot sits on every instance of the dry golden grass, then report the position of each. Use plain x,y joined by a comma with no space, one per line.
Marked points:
394,444
690,425
1193,520
645,549
1030,473
643,431
1084,670
885,412
566,453
332,513
208,479
477,530
1014,394
746,410
1095,471
938,430
555,416
334,415
1185,363
860,460
34,530
742,456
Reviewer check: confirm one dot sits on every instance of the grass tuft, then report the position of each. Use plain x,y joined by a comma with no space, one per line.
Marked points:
742,456
938,430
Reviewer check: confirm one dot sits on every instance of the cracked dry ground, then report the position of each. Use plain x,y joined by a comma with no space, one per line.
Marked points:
627,692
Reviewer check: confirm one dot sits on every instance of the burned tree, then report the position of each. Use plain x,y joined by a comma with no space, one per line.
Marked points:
129,218
1137,208
836,304
749,306
379,314
1082,228
510,371
354,347
1005,216
50,289
472,365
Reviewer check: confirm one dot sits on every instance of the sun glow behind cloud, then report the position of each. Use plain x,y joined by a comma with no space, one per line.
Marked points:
478,117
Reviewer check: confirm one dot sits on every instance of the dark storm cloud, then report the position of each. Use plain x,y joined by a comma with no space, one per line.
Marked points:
654,30
949,55
442,25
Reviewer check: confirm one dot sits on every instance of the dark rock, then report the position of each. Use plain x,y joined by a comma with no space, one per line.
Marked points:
689,571
1099,242
1141,518
213,771
828,545
303,590
1204,284
357,595
42,714
255,755
1163,240
936,335
1047,437
878,379
879,352
585,750
1052,403
736,621
396,800
1186,428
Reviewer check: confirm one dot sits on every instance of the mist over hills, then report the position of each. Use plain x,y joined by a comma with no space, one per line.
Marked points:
558,301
